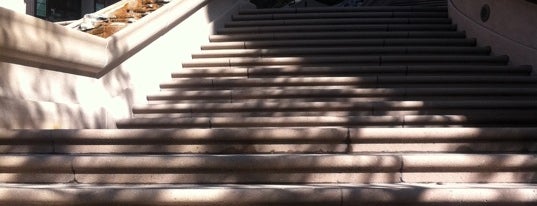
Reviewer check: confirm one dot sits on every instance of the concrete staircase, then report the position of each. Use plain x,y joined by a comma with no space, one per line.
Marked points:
313,106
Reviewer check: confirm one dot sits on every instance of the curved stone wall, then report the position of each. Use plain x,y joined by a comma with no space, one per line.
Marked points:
510,29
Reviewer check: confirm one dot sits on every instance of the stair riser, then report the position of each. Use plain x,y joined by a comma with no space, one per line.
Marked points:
337,35
177,100
350,82
286,52
286,178
181,114
487,120
343,60
339,21
299,71
248,17
238,140
346,27
341,43
409,93
405,106
336,112
338,85
341,10
251,147
329,195
280,169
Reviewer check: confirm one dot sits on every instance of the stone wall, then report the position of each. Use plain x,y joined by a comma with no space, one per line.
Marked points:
35,98
510,29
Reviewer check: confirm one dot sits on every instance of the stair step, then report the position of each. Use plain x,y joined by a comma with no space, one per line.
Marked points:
325,21
357,81
290,71
340,42
282,52
276,168
319,15
258,194
423,3
337,35
233,95
431,112
281,140
521,119
337,106
341,9
348,59
339,27
285,100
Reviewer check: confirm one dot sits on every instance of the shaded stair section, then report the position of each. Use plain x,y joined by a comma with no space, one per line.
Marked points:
431,3
307,106
342,67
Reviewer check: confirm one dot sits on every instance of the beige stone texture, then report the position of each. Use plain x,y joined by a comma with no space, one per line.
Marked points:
46,78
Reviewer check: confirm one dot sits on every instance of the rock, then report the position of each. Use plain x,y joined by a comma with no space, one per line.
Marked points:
90,21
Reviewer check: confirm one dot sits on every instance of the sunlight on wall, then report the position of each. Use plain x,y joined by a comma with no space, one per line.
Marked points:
15,5
34,98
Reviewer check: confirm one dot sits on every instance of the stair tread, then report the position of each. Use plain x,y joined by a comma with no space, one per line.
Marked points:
466,104
340,27
329,21
340,9
247,165
258,194
473,70
338,34
372,14
356,80
348,59
281,52
341,42
364,135
358,91
526,118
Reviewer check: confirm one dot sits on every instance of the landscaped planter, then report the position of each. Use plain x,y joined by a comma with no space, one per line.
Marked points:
105,24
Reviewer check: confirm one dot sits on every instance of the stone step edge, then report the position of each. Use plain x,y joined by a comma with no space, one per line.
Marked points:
333,21
339,27
245,93
389,14
338,106
274,44
347,59
350,134
243,164
338,34
287,70
246,195
347,81
521,119
313,51
340,9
